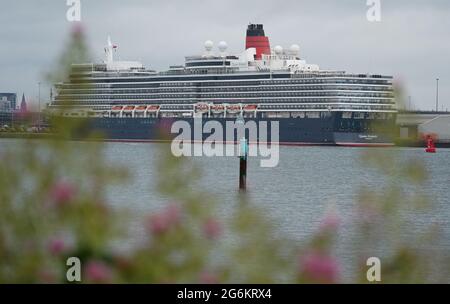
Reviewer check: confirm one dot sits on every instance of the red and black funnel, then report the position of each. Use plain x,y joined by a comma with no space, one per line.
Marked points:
257,39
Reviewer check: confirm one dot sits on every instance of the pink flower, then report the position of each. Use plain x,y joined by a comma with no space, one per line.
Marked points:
320,268
172,214
56,246
158,224
98,272
212,228
77,29
161,222
62,193
331,222
208,278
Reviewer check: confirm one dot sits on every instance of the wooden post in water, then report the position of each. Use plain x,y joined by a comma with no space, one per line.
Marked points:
243,164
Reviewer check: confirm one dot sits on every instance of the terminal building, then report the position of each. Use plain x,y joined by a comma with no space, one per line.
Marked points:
8,102
13,115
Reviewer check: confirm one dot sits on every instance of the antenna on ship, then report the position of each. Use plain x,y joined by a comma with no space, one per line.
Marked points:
109,50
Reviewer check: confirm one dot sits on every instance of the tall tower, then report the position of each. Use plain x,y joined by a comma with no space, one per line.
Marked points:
257,39
23,104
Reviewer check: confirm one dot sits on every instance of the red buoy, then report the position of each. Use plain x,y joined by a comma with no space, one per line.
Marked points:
431,148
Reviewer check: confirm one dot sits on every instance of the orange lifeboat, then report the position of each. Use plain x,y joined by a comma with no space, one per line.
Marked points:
129,108
117,108
153,108
250,108
217,108
201,107
233,108
141,108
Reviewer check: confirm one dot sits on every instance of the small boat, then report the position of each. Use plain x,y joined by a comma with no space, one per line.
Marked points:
141,108
233,109
250,108
202,107
217,108
153,108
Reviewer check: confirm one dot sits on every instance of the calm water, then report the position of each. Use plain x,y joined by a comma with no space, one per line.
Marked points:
307,182
297,193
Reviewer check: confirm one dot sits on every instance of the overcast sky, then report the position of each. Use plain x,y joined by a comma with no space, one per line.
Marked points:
412,41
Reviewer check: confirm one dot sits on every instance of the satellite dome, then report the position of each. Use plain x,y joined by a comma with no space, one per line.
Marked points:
278,50
223,46
295,48
209,45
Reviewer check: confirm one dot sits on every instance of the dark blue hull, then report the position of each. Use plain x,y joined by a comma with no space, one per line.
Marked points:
329,129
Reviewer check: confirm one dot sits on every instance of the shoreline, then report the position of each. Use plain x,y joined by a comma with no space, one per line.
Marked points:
7,135
397,143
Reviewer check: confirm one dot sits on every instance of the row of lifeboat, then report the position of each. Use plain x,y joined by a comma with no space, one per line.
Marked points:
200,107
153,108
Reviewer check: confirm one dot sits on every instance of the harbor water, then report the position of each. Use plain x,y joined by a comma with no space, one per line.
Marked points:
295,195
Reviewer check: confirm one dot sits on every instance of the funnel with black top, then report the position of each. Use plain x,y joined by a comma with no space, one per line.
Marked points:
257,39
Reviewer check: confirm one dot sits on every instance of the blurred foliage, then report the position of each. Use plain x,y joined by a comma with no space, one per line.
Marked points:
386,217
53,206
76,52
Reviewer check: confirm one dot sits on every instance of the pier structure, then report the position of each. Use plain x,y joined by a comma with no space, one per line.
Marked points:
416,126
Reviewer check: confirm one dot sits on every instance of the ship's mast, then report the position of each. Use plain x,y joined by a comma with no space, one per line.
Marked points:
109,51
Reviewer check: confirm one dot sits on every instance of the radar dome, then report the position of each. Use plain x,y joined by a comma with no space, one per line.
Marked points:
209,45
295,48
223,46
278,50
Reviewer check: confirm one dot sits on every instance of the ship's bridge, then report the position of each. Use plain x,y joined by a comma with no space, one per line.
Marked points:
194,62
279,59
221,61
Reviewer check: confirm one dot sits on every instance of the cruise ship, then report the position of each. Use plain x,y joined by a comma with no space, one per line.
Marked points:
128,102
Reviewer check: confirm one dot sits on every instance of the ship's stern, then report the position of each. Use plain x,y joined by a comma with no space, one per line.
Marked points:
364,129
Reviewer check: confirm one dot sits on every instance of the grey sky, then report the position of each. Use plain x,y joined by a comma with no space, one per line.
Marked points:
412,42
